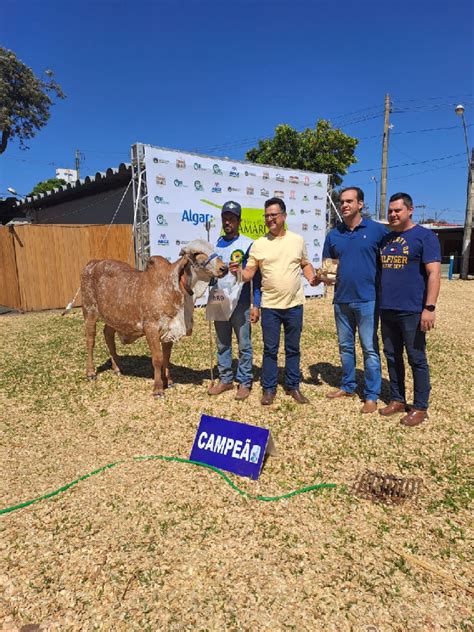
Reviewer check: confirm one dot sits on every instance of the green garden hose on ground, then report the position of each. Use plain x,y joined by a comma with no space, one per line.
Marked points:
302,490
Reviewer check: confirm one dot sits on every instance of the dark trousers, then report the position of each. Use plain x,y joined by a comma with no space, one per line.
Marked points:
292,321
401,330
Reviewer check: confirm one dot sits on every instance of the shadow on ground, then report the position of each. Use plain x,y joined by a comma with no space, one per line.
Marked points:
326,373
141,366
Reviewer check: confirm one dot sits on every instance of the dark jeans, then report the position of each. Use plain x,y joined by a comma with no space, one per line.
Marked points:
401,330
292,321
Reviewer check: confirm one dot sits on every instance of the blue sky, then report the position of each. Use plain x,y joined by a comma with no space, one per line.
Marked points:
214,77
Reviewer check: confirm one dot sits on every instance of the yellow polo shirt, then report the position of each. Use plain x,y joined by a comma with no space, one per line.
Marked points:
280,260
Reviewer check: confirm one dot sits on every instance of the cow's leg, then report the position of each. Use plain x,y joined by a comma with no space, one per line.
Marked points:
90,322
152,334
109,335
165,369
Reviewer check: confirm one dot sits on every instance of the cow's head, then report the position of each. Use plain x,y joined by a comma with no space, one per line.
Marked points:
200,263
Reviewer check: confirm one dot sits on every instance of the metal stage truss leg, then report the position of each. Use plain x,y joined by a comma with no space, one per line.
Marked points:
141,220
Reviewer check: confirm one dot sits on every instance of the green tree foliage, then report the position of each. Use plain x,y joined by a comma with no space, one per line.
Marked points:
25,100
322,149
47,185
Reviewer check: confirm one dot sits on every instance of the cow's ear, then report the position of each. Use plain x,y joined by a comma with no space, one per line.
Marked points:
184,275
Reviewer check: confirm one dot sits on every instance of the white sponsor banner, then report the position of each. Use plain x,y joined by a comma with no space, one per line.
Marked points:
186,190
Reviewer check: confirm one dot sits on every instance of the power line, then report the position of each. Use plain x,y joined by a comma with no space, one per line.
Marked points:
409,164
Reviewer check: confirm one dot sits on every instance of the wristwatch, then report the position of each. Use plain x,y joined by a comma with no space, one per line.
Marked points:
430,308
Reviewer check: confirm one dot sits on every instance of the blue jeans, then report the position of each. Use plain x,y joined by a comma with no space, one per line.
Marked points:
363,317
239,323
401,330
292,321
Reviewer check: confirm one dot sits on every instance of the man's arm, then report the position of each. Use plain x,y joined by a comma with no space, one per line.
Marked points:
246,274
433,282
309,273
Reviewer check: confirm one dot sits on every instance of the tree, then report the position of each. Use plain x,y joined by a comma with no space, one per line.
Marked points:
47,185
25,100
323,149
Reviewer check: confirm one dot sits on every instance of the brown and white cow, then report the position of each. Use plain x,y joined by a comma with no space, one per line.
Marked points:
157,302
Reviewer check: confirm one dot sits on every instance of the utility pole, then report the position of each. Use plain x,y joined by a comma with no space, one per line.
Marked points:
383,181
466,240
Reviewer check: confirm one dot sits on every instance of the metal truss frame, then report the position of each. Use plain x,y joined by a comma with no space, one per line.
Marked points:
141,219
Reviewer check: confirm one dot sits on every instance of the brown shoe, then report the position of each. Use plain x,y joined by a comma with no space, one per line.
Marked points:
414,417
267,398
219,388
339,393
392,408
242,393
297,395
370,406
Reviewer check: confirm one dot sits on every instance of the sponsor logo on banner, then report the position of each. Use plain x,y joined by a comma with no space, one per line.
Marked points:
305,198
180,242
179,183
293,180
180,163
306,181
198,167
264,193
279,194
234,173
161,220
279,178
163,240
292,211
250,190
318,197
159,200
316,227
316,259
249,173
195,218
265,175
254,228
230,189
198,186
217,170
216,188
304,226
316,243
317,212
303,211
163,162
161,180
319,183
292,195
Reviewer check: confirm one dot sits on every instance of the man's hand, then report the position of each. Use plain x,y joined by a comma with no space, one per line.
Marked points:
315,281
234,267
254,315
427,320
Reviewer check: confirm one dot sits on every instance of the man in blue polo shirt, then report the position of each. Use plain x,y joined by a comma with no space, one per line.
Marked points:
355,244
410,282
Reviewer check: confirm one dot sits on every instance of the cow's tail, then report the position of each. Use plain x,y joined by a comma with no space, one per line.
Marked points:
84,272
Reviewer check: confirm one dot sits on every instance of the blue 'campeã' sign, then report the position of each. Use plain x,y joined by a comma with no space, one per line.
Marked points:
232,446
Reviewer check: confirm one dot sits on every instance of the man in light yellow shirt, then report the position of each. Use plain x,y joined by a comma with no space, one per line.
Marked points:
280,256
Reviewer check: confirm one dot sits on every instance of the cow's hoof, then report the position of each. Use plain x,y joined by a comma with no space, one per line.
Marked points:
91,378
159,394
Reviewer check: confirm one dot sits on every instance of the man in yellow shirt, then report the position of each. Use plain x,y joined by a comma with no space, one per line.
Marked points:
280,256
